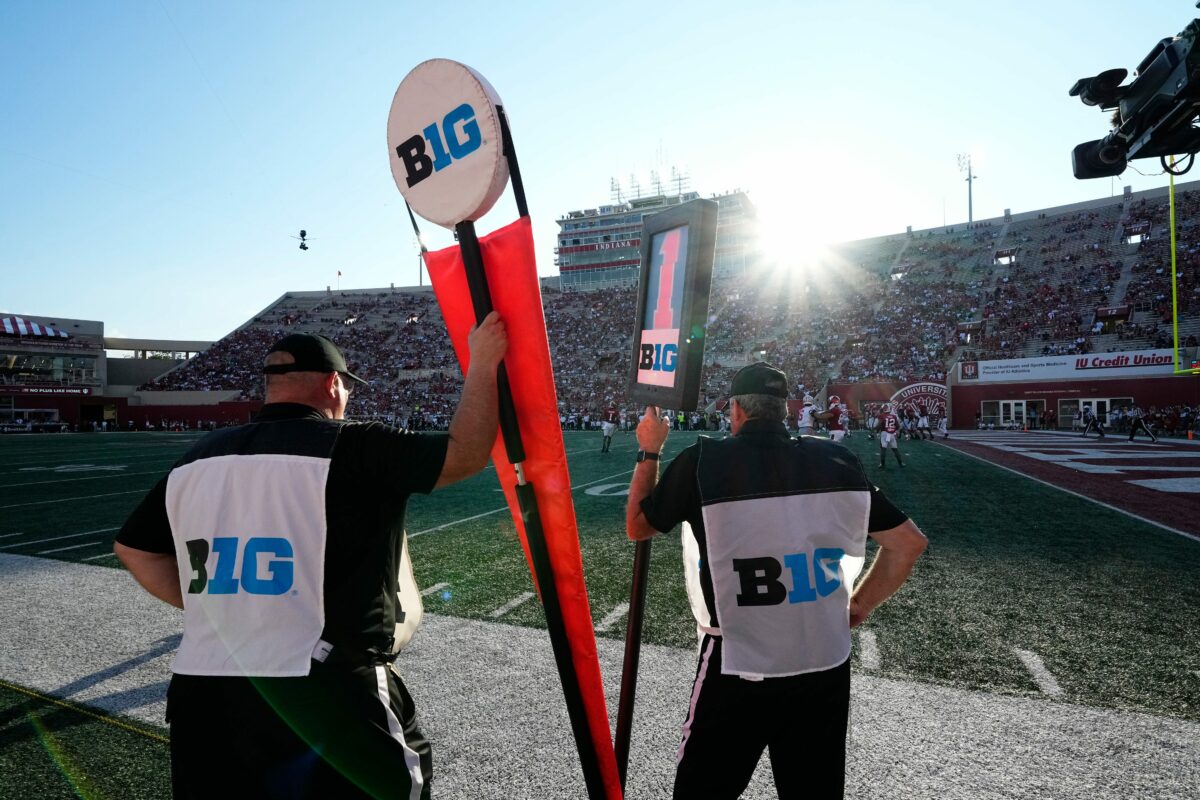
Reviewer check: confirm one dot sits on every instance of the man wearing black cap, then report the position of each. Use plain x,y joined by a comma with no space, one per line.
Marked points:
283,542
774,534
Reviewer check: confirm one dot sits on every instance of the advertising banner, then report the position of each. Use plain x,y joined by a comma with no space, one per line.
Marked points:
1137,363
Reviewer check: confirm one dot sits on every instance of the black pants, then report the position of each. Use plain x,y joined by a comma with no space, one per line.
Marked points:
801,720
326,735
1139,424
1093,425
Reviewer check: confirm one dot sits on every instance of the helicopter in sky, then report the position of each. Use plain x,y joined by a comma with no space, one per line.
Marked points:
303,237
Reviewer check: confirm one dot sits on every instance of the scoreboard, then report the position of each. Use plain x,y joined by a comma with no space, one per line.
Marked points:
672,310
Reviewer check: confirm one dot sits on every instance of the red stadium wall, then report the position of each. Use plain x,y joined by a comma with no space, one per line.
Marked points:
873,393
1167,391
77,411
233,413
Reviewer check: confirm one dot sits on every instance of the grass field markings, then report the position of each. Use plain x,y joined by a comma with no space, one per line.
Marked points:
68,547
437,587
1041,676
93,478
497,510
57,538
613,617
521,599
10,535
97,558
67,459
868,650
45,698
1138,517
73,499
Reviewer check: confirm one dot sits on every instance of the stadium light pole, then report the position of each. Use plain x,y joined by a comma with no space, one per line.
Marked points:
964,165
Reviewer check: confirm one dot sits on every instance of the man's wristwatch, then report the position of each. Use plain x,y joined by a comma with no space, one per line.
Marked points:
644,455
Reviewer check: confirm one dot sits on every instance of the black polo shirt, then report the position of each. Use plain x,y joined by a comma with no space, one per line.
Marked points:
763,460
373,469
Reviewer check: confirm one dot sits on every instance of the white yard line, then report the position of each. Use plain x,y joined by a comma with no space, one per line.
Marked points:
523,597
503,508
613,617
1041,675
435,588
73,499
868,650
97,558
9,535
67,536
69,547
1138,517
111,474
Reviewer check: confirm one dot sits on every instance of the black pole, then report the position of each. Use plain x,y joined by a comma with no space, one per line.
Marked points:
514,169
481,298
633,652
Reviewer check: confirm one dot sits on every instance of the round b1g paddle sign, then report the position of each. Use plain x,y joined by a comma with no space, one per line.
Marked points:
445,145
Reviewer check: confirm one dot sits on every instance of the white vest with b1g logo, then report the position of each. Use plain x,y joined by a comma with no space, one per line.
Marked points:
247,511
249,536
785,534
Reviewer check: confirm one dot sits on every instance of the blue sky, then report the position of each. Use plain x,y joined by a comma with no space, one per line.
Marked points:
157,156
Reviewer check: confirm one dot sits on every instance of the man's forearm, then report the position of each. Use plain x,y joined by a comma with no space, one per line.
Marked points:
645,478
158,573
478,416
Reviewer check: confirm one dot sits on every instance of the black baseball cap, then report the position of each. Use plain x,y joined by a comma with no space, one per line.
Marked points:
760,378
313,353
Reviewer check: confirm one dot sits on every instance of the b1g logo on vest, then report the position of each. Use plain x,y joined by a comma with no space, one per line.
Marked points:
812,578
228,579
445,143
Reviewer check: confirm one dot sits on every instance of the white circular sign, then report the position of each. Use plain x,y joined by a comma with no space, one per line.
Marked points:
444,142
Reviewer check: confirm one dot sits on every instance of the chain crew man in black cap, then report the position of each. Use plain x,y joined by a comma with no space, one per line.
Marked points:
283,542
774,534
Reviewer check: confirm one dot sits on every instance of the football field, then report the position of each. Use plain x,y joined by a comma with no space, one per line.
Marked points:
1025,590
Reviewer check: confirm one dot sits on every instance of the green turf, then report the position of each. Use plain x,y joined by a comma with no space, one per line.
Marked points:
1109,603
49,751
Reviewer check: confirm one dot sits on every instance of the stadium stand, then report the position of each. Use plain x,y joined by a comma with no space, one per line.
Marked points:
903,307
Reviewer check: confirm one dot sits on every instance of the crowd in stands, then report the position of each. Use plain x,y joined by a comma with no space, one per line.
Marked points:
901,308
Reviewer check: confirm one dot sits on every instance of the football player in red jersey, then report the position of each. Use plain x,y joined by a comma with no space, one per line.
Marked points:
607,426
889,428
834,418
923,431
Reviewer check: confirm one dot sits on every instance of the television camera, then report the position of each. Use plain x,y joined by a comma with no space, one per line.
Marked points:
1155,114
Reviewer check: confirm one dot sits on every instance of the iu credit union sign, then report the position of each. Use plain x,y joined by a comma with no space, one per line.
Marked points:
1136,363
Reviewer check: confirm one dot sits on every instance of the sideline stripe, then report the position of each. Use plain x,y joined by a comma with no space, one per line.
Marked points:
73,499
503,508
522,598
613,617
436,587
1138,517
868,650
68,547
1041,675
80,710
56,538
112,473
